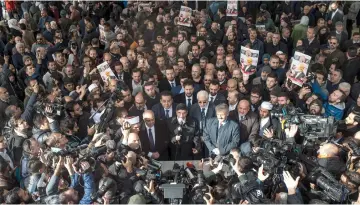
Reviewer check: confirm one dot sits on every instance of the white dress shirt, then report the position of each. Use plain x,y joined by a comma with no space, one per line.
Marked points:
232,107
174,83
187,100
264,121
153,135
333,14
214,97
170,111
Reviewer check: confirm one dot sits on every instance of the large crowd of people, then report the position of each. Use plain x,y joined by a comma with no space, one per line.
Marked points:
73,132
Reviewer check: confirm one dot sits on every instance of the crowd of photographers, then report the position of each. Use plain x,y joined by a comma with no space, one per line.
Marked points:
178,94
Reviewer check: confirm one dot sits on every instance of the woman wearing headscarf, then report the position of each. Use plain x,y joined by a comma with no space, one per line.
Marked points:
14,27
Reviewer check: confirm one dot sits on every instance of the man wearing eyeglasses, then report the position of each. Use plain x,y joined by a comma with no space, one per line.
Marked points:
333,52
154,137
221,134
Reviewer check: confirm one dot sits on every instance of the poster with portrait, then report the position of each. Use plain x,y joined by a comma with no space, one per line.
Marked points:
231,9
299,67
102,34
105,72
249,60
185,16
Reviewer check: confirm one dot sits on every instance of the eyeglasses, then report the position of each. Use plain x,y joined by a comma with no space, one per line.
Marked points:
333,43
207,79
202,102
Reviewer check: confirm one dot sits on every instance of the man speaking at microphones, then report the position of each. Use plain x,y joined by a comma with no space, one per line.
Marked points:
220,134
185,140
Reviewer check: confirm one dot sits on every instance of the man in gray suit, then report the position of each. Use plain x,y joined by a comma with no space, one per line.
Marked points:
220,134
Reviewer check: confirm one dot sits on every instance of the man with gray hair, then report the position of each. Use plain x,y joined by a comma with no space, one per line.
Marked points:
220,134
203,110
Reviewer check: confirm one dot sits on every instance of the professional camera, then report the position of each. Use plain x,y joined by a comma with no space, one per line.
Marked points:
108,187
57,108
199,190
314,127
354,148
331,189
247,189
73,152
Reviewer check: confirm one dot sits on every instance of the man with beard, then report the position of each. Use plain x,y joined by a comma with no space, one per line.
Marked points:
5,101
17,196
139,105
269,126
255,99
256,43
60,61
151,96
335,105
333,52
51,69
215,96
189,96
271,84
261,80
248,121
16,139
215,35
276,45
183,44
194,56
19,57
334,16
80,117
171,55
185,140
127,97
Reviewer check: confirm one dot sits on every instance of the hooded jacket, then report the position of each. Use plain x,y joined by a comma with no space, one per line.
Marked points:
335,110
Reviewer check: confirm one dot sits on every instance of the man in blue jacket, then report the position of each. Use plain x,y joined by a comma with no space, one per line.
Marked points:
335,105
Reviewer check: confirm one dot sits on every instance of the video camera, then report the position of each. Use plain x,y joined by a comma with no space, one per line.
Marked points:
310,126
331,189
107,186
57,108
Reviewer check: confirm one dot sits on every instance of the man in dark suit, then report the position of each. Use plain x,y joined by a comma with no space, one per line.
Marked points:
340,34
334,16
310,43
202,110
154,137
139,106
170,81
151,96
189,96
120,74
166,108
247,120
215,96
220,134
185,140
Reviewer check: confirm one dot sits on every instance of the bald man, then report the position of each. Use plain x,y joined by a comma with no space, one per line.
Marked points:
247,120
139,106
328,158
154,137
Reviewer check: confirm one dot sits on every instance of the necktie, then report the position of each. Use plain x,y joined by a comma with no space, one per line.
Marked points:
188,103
202,118
211,99
151,140
172,84
167,114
